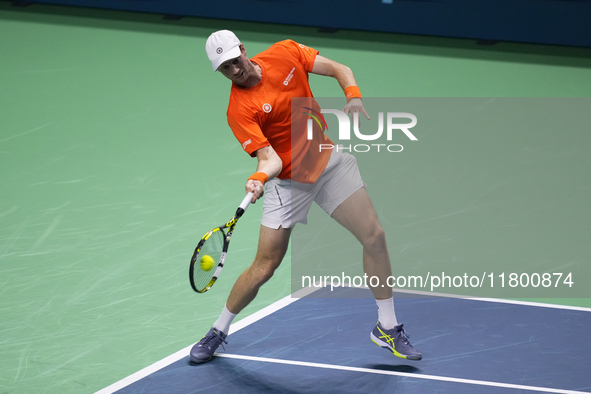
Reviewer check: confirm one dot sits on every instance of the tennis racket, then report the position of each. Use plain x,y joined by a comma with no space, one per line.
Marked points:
208,259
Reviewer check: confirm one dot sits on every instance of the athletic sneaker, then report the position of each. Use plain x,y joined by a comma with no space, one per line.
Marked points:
395,340
203,350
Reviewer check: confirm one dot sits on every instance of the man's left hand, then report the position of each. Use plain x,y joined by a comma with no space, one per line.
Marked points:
355,105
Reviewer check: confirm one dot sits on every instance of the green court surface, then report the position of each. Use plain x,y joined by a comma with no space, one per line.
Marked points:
116,157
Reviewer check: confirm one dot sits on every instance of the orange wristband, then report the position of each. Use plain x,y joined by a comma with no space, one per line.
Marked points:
259,176
352,92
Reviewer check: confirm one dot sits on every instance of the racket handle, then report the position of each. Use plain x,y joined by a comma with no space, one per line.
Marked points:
246,202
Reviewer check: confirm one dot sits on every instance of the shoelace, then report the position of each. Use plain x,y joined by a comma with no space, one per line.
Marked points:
218,339
404,335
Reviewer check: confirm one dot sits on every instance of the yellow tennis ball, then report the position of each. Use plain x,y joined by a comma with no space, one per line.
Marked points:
207,263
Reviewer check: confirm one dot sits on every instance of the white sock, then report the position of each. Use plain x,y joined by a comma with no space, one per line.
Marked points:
224,321
386,314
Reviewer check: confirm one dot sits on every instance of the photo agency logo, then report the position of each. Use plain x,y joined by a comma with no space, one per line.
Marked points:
392,125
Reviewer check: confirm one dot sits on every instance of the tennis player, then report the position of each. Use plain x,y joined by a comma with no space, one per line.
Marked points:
293,173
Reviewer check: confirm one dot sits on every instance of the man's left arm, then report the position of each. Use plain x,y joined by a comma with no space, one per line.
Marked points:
345,77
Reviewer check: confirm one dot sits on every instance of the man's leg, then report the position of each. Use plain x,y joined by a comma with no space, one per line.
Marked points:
271,250
357,214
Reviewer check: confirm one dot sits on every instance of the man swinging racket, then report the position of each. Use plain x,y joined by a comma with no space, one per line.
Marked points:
260,116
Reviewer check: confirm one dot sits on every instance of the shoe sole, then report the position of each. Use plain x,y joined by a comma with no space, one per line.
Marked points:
200,361
384,345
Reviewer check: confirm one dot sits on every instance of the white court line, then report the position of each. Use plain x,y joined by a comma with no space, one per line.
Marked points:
404,374
158,365
282,303
498,300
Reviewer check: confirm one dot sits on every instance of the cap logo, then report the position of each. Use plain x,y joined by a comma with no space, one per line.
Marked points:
219,50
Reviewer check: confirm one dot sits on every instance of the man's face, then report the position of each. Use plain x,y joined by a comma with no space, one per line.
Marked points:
238,69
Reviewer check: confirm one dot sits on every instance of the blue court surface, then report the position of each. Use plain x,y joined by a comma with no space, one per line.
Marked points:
322,345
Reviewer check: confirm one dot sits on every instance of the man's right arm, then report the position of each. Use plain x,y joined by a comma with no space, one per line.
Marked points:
270,164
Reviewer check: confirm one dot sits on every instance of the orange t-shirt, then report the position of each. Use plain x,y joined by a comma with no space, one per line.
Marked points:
262,115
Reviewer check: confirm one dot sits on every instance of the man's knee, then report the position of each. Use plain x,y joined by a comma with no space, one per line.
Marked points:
375,237
263,270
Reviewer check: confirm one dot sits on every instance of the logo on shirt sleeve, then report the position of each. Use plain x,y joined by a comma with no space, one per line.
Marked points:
246,143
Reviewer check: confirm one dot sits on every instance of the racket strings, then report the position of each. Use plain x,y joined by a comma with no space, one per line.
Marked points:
213,247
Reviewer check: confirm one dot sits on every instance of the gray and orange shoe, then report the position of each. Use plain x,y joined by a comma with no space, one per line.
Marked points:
395,340
203,350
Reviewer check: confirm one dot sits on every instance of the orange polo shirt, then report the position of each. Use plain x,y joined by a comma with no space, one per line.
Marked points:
262,115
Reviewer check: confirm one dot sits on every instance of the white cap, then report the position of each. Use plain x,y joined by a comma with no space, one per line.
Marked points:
221,46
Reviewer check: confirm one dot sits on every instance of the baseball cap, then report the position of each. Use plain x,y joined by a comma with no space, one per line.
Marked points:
221,46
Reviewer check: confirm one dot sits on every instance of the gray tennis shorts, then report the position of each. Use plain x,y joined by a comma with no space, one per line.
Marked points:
288,202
